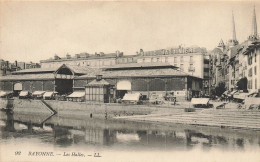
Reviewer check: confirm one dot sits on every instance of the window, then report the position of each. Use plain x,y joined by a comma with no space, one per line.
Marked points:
191,68
232,82
255,57
143,60
181,67
250,84
255,83
250,72
191,58
158,59
166,59
172,51
250,59
255,70
181,59
175,59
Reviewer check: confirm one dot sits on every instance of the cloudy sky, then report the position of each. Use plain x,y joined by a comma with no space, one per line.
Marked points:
33,31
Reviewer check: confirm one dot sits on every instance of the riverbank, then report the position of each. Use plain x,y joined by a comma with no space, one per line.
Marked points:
227,117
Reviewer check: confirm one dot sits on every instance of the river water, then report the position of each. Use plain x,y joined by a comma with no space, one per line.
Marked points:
72,139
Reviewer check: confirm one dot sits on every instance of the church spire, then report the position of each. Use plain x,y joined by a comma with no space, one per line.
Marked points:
254,34
234,27
254,25
233,41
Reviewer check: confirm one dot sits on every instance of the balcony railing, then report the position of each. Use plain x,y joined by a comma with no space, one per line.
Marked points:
191,69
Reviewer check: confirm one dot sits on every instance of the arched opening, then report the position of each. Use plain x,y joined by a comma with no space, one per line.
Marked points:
64,80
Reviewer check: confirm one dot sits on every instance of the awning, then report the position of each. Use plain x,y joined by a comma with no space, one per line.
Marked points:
199,101
131,97
2,93
252,92
38,92
241,96
77,94
233,92
48,94
123,85
23,93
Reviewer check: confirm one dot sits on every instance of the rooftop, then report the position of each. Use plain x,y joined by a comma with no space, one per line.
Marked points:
28,77
140,66
75,69
35,70
84,56
252,46
138,73
98,83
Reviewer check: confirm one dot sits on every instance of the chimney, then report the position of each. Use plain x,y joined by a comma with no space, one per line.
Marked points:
117,53
68,56
77,55
56,57
98,77
15,63
142,52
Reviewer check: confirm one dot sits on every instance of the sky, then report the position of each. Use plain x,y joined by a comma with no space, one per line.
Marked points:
34,31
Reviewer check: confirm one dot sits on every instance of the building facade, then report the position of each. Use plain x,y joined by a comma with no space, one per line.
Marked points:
236,64
97,60
7,68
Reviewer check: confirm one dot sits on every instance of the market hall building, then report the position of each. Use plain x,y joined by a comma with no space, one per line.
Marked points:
109,82
145,78
59,79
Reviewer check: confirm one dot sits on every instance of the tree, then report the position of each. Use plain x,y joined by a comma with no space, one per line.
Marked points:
220,89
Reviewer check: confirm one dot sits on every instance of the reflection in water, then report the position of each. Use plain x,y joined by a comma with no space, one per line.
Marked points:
66,132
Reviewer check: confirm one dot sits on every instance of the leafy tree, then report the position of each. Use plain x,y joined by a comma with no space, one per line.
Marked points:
220,89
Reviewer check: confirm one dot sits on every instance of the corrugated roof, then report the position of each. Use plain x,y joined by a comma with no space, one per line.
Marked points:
76,69
139,65
35,70
28,77
83,70
101,82
138,73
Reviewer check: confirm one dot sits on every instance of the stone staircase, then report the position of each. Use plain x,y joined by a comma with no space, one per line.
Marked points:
208,117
